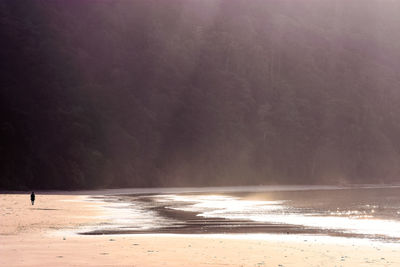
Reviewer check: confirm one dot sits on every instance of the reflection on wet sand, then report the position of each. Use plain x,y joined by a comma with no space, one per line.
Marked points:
357,212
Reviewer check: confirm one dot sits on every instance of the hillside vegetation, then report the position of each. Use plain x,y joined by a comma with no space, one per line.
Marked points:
189,92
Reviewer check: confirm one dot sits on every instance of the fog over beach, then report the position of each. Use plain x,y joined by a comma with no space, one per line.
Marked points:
200,133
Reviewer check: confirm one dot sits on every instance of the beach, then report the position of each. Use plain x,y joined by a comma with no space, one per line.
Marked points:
46,235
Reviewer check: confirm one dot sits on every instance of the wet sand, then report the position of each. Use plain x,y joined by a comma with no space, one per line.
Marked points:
43,235
190,222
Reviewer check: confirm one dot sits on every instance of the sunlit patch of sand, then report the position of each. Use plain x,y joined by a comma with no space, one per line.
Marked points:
25,241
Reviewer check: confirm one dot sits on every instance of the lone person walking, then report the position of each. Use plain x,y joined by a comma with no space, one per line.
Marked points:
33,198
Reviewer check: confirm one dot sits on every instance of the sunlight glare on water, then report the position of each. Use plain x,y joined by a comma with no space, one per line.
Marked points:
278,212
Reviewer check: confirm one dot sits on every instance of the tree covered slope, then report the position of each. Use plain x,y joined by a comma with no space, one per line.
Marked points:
188,92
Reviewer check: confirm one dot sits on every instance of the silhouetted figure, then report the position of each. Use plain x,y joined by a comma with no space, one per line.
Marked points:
33,197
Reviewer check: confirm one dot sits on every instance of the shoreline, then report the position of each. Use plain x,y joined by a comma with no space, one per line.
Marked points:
189,223
205,189
42,237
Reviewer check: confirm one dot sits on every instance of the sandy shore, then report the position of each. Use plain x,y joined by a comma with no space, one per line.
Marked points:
42,235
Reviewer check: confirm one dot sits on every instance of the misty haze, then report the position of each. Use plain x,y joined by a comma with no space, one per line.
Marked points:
199,133
196,93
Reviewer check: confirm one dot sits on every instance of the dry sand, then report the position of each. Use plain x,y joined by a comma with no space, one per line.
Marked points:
42,235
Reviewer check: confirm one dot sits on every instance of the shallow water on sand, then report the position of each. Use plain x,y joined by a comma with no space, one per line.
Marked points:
368,212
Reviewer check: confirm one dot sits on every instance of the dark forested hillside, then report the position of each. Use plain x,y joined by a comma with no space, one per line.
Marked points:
198,92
